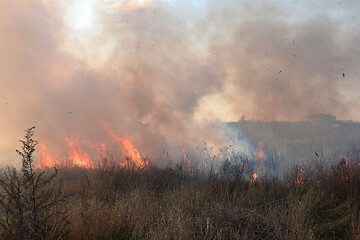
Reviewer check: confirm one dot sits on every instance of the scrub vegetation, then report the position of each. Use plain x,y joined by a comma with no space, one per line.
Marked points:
112,202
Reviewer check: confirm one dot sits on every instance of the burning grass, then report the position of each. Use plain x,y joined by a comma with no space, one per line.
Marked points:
152,203
241,200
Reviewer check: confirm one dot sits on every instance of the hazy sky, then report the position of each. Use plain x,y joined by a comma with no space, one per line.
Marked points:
160,71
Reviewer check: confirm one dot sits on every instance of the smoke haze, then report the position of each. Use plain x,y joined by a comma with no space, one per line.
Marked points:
162,72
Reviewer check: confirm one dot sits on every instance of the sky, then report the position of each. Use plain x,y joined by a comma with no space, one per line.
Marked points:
162,72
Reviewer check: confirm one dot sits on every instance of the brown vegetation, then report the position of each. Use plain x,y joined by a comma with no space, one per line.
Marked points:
310,202
118,203
32,205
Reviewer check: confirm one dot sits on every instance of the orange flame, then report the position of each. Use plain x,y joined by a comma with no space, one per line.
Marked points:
345,170
77,156
300,178
130,149
104,159
187,162
46,160
254,177
260,163
260,152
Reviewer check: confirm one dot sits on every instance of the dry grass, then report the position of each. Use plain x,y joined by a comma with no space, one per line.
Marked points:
152,203
156,203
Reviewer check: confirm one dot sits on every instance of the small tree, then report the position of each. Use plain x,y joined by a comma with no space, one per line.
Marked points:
31,201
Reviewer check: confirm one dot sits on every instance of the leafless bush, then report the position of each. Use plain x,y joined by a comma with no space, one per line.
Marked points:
31,201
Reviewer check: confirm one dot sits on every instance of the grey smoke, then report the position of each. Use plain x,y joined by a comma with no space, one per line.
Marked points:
257,59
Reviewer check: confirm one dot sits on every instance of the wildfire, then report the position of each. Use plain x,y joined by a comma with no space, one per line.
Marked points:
77,156
345,169
80,158
100,148
260,152
46,160
300,178
187,162
259,167
254,177
131,151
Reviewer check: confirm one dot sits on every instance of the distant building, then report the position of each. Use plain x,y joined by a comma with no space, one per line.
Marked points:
322,127
322,119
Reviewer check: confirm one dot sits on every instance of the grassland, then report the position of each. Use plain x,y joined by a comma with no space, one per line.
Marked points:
318,200
152,203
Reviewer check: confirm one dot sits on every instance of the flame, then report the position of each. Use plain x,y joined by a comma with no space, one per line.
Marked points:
102,153
187,162
254,177
260,152
104,159
131,151
46,160
300,178
259,167
77,156
345,169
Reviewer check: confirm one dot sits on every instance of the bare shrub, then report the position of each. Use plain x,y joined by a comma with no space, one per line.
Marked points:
31,201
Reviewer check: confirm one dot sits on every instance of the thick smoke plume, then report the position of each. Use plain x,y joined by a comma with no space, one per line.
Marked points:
162,73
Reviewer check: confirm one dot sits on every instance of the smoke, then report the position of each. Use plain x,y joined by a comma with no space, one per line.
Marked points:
162,72
286,67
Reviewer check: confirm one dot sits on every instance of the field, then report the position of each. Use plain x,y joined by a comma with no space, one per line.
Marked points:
170,204
151,203
238,200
